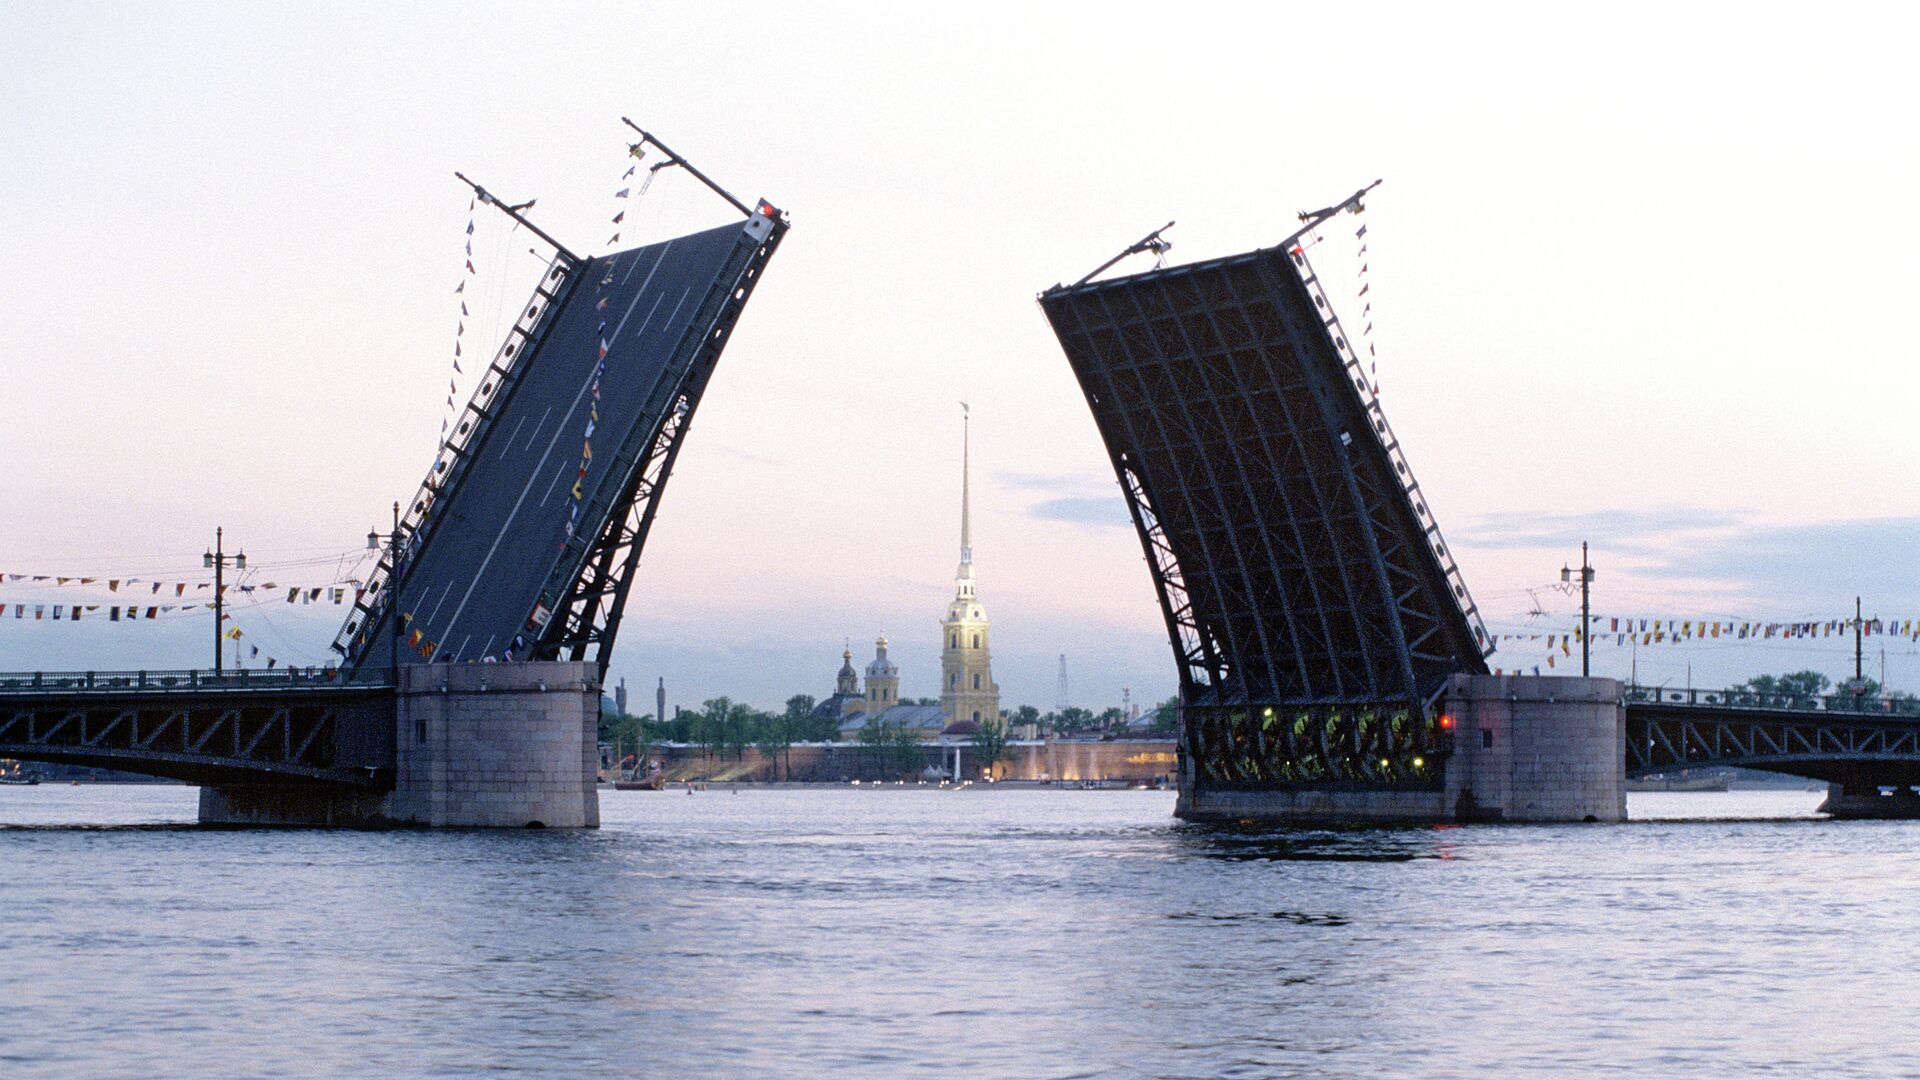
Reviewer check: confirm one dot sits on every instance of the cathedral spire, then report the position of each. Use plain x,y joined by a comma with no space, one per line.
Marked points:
966,468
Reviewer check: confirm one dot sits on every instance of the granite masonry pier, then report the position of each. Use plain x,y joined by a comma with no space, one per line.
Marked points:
475,746
1526,748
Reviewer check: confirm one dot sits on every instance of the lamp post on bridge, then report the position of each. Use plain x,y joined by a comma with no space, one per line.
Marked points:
1586,621
217,561
393,590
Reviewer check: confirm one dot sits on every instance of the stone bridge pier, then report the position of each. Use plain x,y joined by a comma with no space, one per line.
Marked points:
1525,748
474,746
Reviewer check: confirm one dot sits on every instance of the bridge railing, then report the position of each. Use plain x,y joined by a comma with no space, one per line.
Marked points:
450,461
1409,487
190,681
1842,703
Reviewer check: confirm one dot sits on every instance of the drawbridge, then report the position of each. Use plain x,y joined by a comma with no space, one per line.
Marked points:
520,544
1314,610
516,545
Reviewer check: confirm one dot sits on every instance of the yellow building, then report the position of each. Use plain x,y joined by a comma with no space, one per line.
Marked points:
967,689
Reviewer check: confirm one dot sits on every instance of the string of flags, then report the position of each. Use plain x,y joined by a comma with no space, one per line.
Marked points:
1366,312
623,197
460,326
1634,631
113,612
638,152
253,651
333,591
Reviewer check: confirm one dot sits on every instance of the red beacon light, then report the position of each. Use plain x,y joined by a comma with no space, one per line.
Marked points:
1446,723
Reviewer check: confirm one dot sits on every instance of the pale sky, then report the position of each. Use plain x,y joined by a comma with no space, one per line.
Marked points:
1641,276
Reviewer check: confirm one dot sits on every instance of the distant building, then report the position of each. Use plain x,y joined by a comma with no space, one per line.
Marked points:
883,679
846,700
967,689
968,695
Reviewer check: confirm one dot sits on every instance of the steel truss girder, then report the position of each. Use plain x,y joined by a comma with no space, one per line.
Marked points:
587,592
1294,558
1376,745
1822,745
331,738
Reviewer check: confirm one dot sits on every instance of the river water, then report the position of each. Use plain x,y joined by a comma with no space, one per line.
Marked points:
992,933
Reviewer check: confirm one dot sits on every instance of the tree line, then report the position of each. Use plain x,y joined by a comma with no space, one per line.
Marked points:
724,727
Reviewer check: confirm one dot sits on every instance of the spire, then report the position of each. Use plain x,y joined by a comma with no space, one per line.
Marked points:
966,468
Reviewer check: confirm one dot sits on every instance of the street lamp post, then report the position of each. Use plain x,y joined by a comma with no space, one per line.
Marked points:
393,591
1586,621
217,560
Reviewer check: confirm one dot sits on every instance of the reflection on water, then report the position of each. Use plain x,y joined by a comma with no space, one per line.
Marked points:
1000,933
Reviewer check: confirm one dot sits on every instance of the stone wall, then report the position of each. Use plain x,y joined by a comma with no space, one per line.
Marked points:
475,745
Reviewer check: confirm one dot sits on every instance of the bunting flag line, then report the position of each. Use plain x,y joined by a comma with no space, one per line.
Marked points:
1624,631
459,328
623,202
115,585
1366,313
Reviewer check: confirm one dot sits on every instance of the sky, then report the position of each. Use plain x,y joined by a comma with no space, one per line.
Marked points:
1640,278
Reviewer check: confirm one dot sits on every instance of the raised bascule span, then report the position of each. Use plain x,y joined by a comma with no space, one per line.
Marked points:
1315,611
494,561
468,687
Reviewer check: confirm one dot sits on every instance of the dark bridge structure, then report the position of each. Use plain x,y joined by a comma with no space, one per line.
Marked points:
1866,749
1324,638
1314,609
206,728
521,544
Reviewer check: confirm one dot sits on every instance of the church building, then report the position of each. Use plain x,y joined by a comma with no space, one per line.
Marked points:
967,690
968,694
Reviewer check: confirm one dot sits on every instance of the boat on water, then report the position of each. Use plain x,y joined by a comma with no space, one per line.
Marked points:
1683,782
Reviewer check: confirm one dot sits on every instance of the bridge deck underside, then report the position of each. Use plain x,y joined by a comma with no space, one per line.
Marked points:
505,522
342,738
1295,563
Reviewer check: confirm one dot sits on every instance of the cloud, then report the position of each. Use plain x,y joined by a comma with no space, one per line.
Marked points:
1610,528
1777,567
1106,511
1075,498
1818,563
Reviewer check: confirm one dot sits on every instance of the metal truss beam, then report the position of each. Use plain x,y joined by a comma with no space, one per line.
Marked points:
1295,560
331,737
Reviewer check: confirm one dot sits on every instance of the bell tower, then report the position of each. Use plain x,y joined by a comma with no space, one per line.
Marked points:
967,689
883,680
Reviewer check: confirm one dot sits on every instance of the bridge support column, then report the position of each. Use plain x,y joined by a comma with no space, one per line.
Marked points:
1860,797
1536,748
475,746
1524,749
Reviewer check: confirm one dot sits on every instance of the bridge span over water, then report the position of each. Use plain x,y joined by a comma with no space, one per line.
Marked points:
468,674
1332,662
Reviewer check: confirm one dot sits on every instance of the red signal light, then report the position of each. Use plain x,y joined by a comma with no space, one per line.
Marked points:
1446,723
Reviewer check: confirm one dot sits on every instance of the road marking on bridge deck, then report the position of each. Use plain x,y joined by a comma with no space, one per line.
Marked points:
504,450
535,433
566,467
443,601
480,571
676,308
